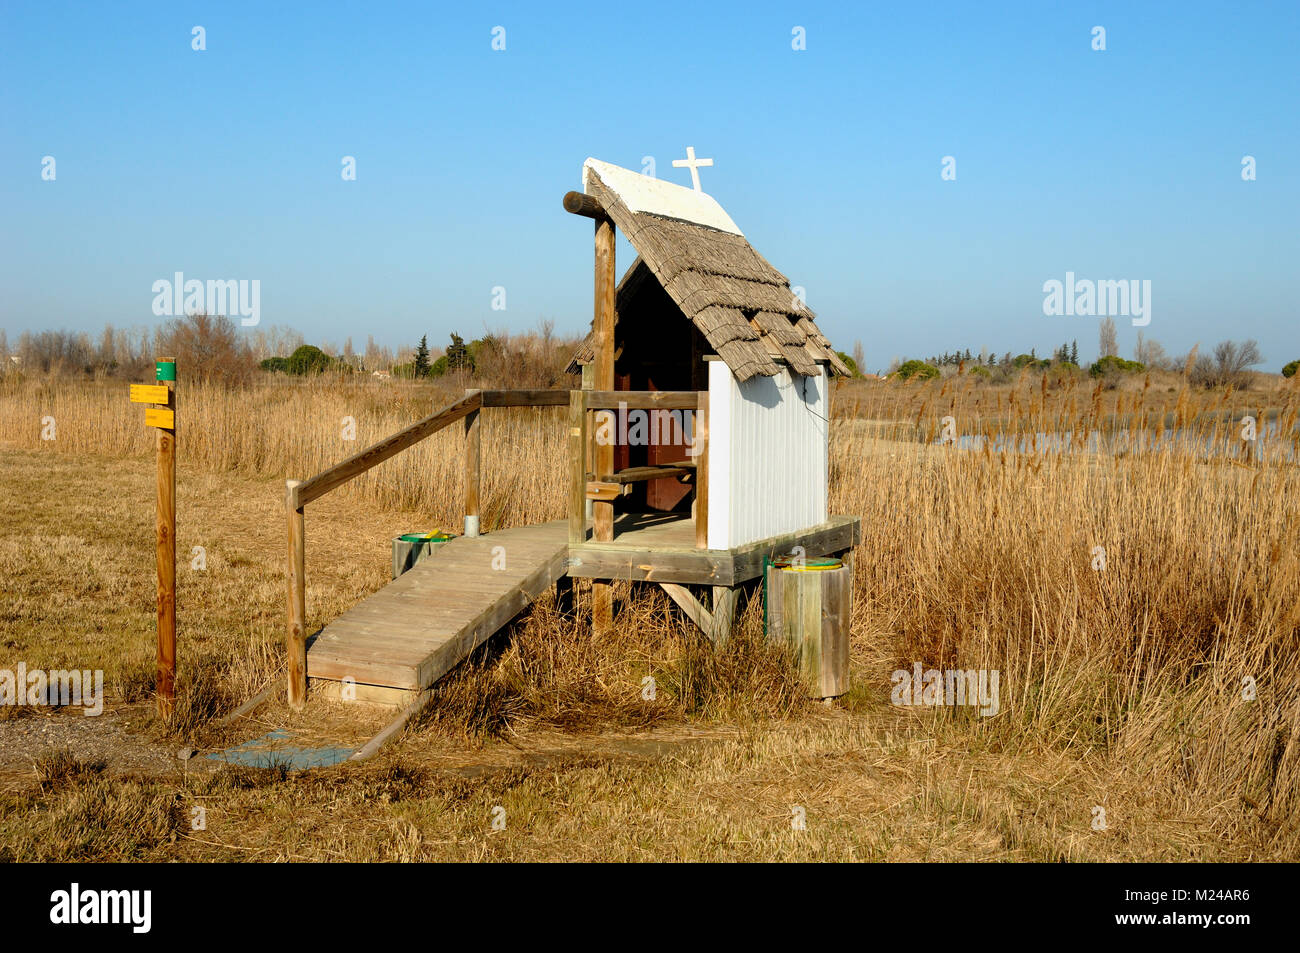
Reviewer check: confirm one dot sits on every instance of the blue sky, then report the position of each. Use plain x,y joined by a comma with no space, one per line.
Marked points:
225,163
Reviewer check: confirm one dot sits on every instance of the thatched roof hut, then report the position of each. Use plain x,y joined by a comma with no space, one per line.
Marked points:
694,261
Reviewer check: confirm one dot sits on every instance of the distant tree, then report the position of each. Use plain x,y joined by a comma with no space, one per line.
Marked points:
421,368
1074,352
1106,338
1227,365
859,357
275,364
1289,370
849,362
308,359
458,356
1149,353
206,345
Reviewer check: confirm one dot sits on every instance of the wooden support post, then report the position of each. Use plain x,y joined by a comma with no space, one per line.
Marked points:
564,595
700,450
715,623
166,545
296,631
602,599
577,466
589,383
724,613
473,450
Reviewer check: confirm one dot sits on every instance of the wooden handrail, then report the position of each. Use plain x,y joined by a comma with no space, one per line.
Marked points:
359,463
526,398
642,399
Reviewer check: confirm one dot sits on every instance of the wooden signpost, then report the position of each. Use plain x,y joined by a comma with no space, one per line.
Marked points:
162,416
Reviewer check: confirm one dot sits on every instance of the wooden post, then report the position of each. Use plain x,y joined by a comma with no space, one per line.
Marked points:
701,448
577,466
473,448
589,383
724,613
564,595
602,598
296,631
166,545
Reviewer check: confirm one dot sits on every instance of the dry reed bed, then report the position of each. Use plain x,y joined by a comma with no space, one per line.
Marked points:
970,559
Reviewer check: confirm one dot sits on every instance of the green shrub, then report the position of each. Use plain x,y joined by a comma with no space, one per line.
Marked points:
918,369
1110,364
1290,369
979,370
309,359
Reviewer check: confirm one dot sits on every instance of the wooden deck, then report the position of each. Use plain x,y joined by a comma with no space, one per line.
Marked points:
413,631
661,548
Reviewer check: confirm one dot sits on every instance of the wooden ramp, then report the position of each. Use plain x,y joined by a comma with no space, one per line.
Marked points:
413,631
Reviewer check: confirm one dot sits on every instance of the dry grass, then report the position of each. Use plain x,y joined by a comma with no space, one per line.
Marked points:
1121,687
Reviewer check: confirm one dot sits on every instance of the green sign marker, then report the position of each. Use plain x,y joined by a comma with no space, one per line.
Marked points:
166,371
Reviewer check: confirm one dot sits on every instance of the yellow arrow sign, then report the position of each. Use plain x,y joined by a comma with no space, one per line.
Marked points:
159,417
149,394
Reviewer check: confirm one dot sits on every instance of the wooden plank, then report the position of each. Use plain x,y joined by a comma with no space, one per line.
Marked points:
835,536
149,394
724,613
373,673
641,474
703,567
837,606
358,463
606,398
525,398
690,605
295,578
473,448
577,466
374,744
409,634
629,558
364,694
603,490
701,448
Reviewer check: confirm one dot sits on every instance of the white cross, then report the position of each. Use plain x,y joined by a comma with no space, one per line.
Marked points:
692,163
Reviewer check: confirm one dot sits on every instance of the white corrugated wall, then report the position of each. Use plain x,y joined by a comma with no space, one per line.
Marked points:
767,455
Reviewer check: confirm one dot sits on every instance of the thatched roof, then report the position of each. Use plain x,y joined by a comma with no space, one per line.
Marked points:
688,244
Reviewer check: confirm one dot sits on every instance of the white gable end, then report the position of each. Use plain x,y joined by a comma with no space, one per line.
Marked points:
642,193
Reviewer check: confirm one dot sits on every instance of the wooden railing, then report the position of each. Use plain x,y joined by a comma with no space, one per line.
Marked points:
582,406
299,493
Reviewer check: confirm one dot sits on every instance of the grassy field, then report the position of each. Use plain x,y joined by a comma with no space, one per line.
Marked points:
1121,687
